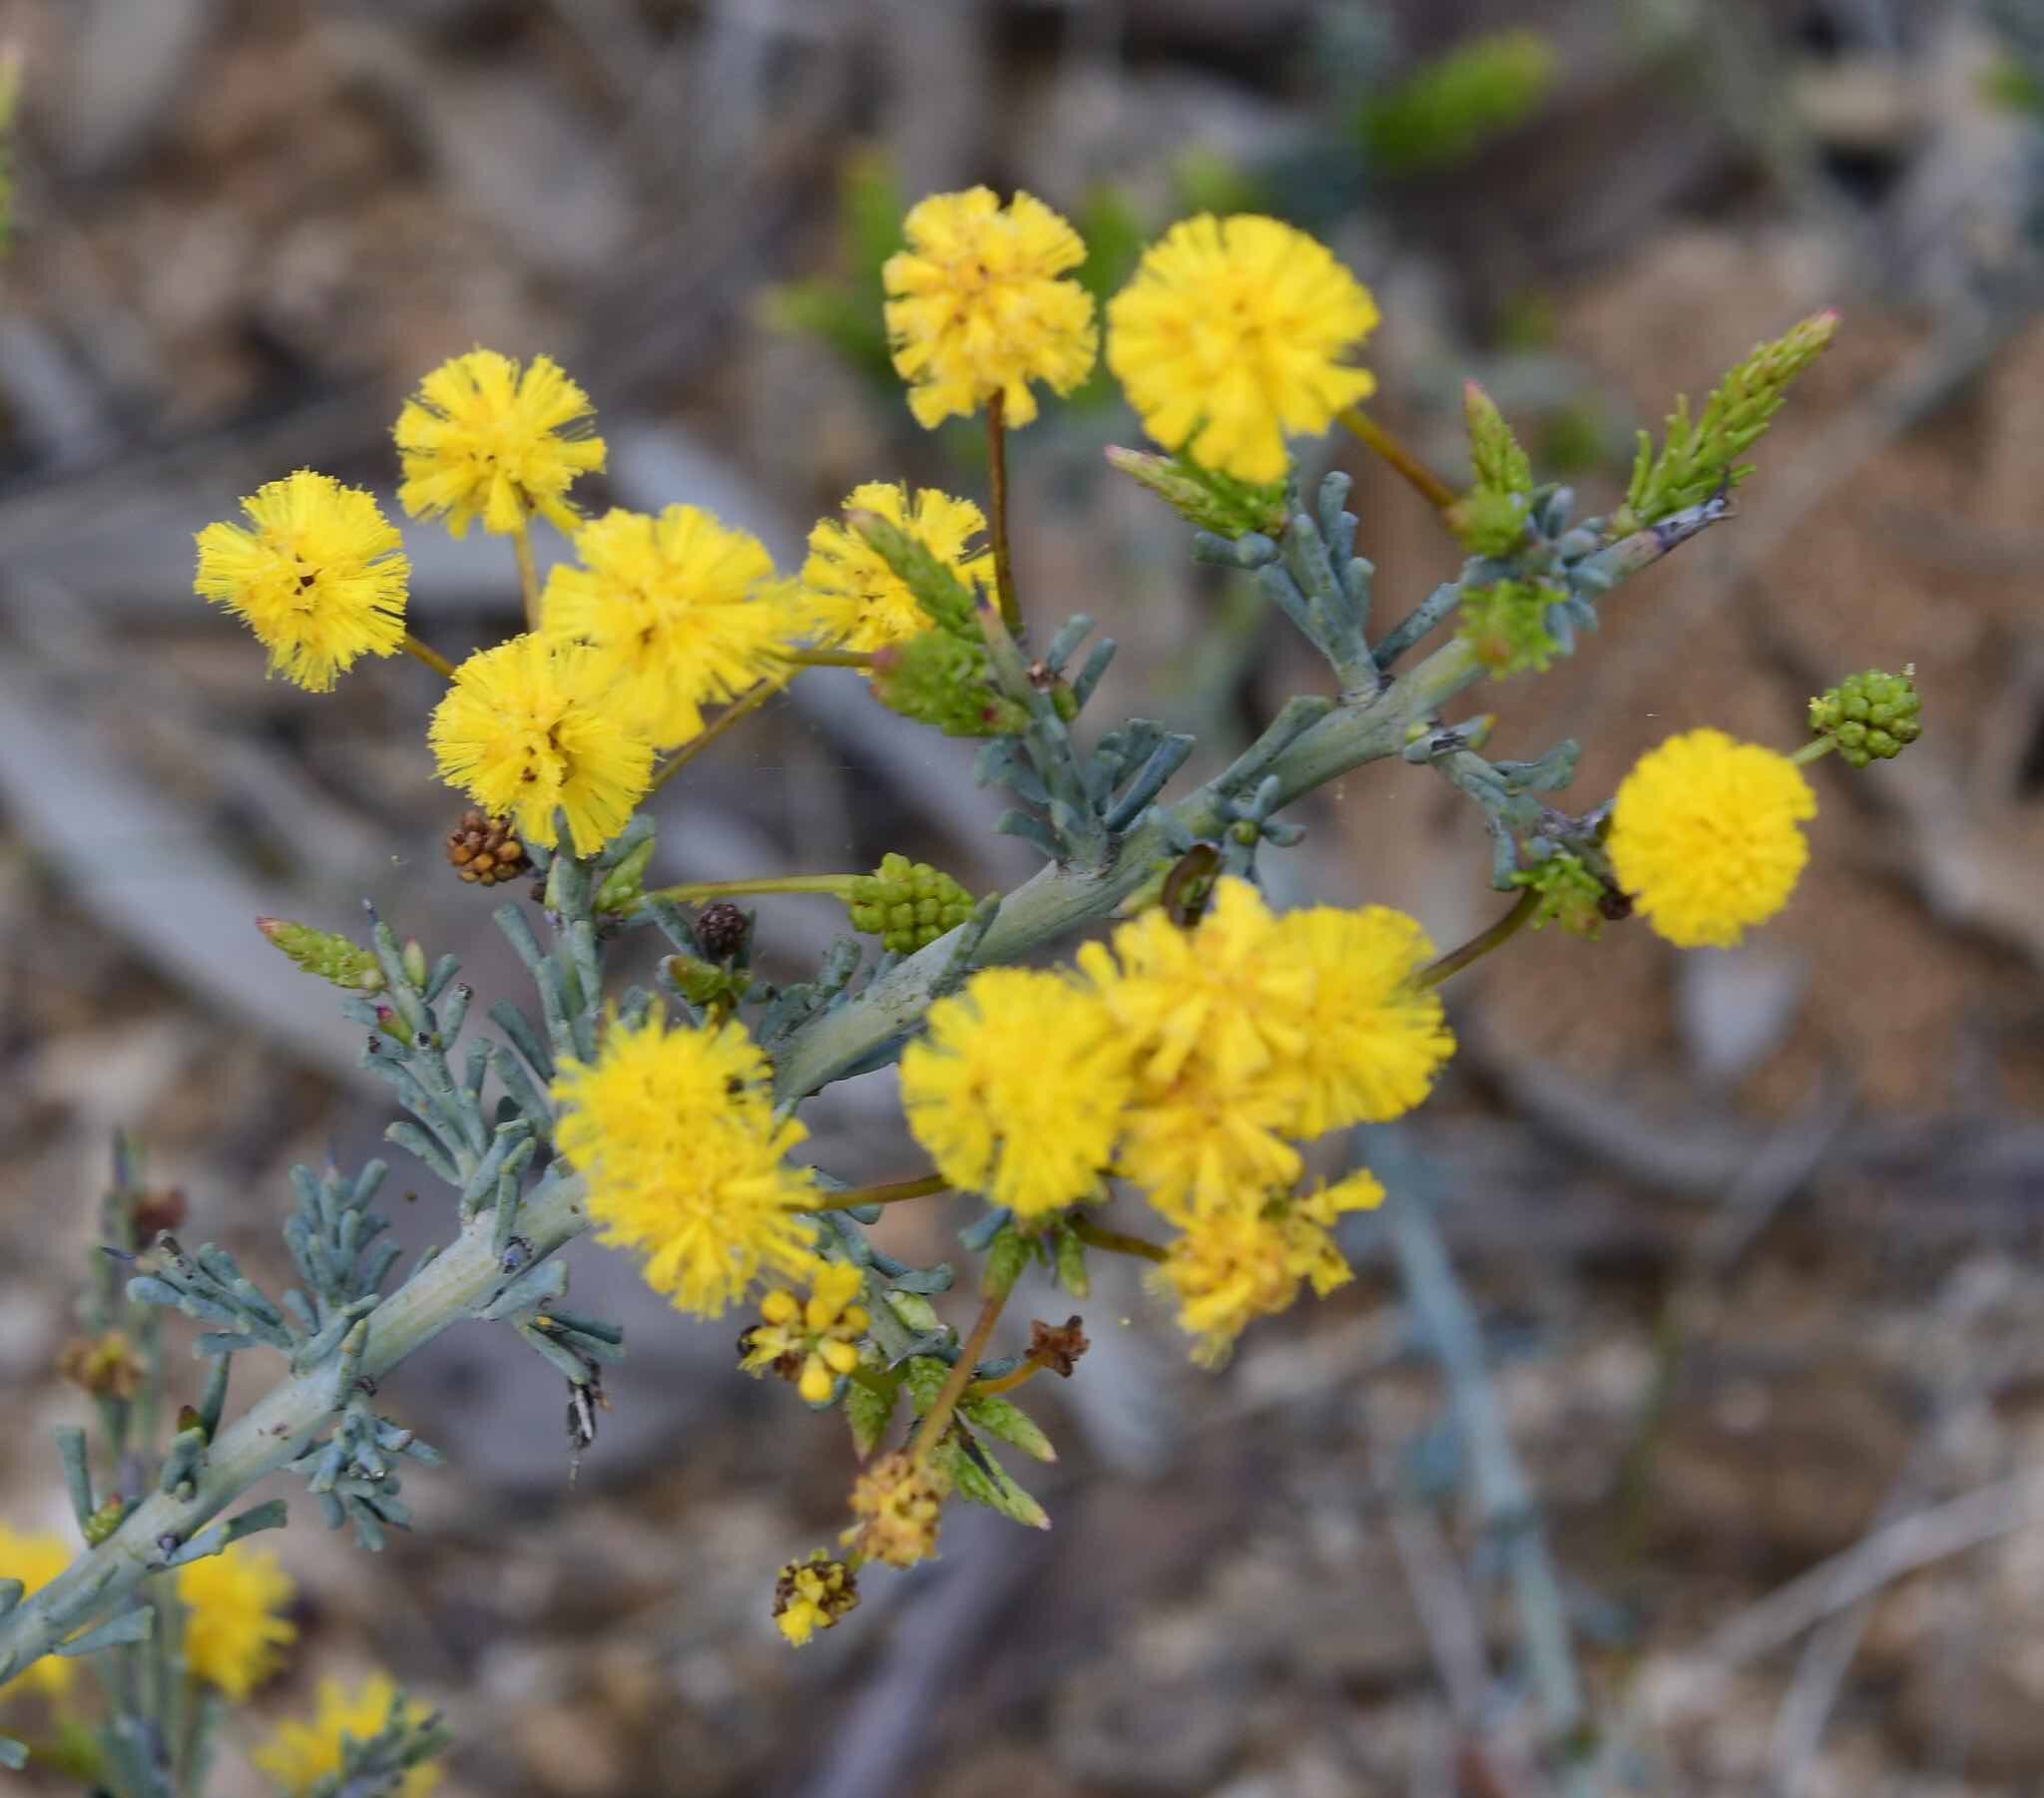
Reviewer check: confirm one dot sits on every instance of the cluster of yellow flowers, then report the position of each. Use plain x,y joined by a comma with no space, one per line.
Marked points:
1191,1062
1232,333
234,1628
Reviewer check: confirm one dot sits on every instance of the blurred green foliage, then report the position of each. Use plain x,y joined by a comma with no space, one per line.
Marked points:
1448,109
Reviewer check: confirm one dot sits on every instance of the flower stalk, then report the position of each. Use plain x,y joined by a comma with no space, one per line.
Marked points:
998,510
1395,450
422,652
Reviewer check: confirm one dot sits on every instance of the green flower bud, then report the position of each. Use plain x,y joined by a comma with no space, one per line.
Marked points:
907,904
1203,496
1571,895
1506,626
941,680
623,885
413,958
706,983
1870,716
326,953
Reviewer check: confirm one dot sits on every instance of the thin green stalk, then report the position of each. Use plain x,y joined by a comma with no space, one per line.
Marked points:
742,706
432,657
1117,1242
937,1419
891,1192
1388,444
824,658
697,892
998,510
1482,943
1821,746
528,571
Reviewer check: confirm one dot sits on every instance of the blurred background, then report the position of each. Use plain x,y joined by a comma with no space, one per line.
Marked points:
1752,1236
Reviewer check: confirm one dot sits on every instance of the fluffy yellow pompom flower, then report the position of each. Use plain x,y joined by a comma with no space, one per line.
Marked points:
1232,333
319,576
1706,835
1244,1262
1212,1012
529,727
675,1130
849,593
481,439
1373,1039
810,1343
236,1632
35,1557
976,305
1017,1091
300,1755
678,612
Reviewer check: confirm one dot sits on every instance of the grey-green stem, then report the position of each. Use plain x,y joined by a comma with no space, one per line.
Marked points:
457,1284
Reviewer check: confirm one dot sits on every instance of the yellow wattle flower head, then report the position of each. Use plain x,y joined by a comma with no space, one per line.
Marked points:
35,1557
1210,1014
678,610
976,305
1221,994
1246,1261
236,1632
849,593
1706,835
1017,1091
530,727
812,1343
1232,333
300,1755
319,576
1374,1039
899,1503
675,1130
483,439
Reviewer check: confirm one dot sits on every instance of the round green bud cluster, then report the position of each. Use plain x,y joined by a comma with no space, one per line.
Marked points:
1570,895
907,904
1870,716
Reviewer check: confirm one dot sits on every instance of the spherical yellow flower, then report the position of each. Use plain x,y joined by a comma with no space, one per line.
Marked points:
849,593
814,1344
976,307
1244,1262
1706,835
528,729
1232,334
35,1557
1221,994
300,1755
1202,1145
678,610
675,1130
812,1595
1374,1039
481,439
236,1629
319,576
1017,1091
